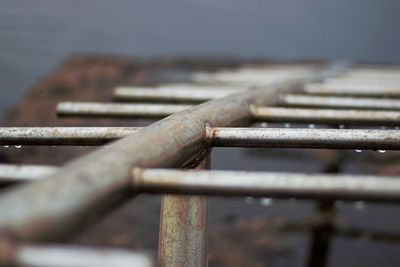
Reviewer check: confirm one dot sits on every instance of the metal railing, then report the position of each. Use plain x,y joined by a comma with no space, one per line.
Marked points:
54,203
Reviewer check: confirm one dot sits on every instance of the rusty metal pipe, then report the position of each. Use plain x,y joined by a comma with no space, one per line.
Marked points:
374,73
183,234
186,95
56,207
220,136
183,228
62,135
89,109
10,174
277,185
340,102
306,138
273,114
255,76
280,185
327,116
34,255
352,90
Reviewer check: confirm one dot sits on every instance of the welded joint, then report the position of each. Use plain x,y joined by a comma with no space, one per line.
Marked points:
281,98
210,134
194,162
207,146
136,179
253,108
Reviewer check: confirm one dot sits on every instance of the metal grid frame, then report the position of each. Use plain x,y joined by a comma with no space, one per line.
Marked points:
57,202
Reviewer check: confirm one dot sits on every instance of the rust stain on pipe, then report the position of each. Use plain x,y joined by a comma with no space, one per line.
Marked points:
183,228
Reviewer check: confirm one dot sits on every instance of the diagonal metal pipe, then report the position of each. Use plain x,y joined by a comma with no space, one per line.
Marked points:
86,188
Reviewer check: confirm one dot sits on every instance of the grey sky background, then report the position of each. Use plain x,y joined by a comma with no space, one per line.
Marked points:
36,36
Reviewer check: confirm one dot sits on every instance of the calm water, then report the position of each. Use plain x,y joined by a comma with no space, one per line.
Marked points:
36,36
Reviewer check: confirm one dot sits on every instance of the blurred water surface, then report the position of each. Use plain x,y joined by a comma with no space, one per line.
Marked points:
35,36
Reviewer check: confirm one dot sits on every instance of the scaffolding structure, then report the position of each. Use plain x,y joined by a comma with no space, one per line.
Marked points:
217,109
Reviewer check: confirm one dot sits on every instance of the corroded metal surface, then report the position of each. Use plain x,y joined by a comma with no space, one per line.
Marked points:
273,114
256,76
352,90
35,255
359,82
87,109
327,116
340,102
183,229
72,196
277,185
183,237
306,138
10,174
188,95
219,136
62,135
86,188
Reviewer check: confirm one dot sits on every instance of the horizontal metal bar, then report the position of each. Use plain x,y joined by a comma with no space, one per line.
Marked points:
351,90
363,81
277,185
88,109
10,173
307,138
327,116
186,95
189,87
255,76
274,114
374,73
32,255
360,82
232,137
340,102
62,135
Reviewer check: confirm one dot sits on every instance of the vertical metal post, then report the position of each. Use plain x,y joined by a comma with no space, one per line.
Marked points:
323,230
183,229
322,234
